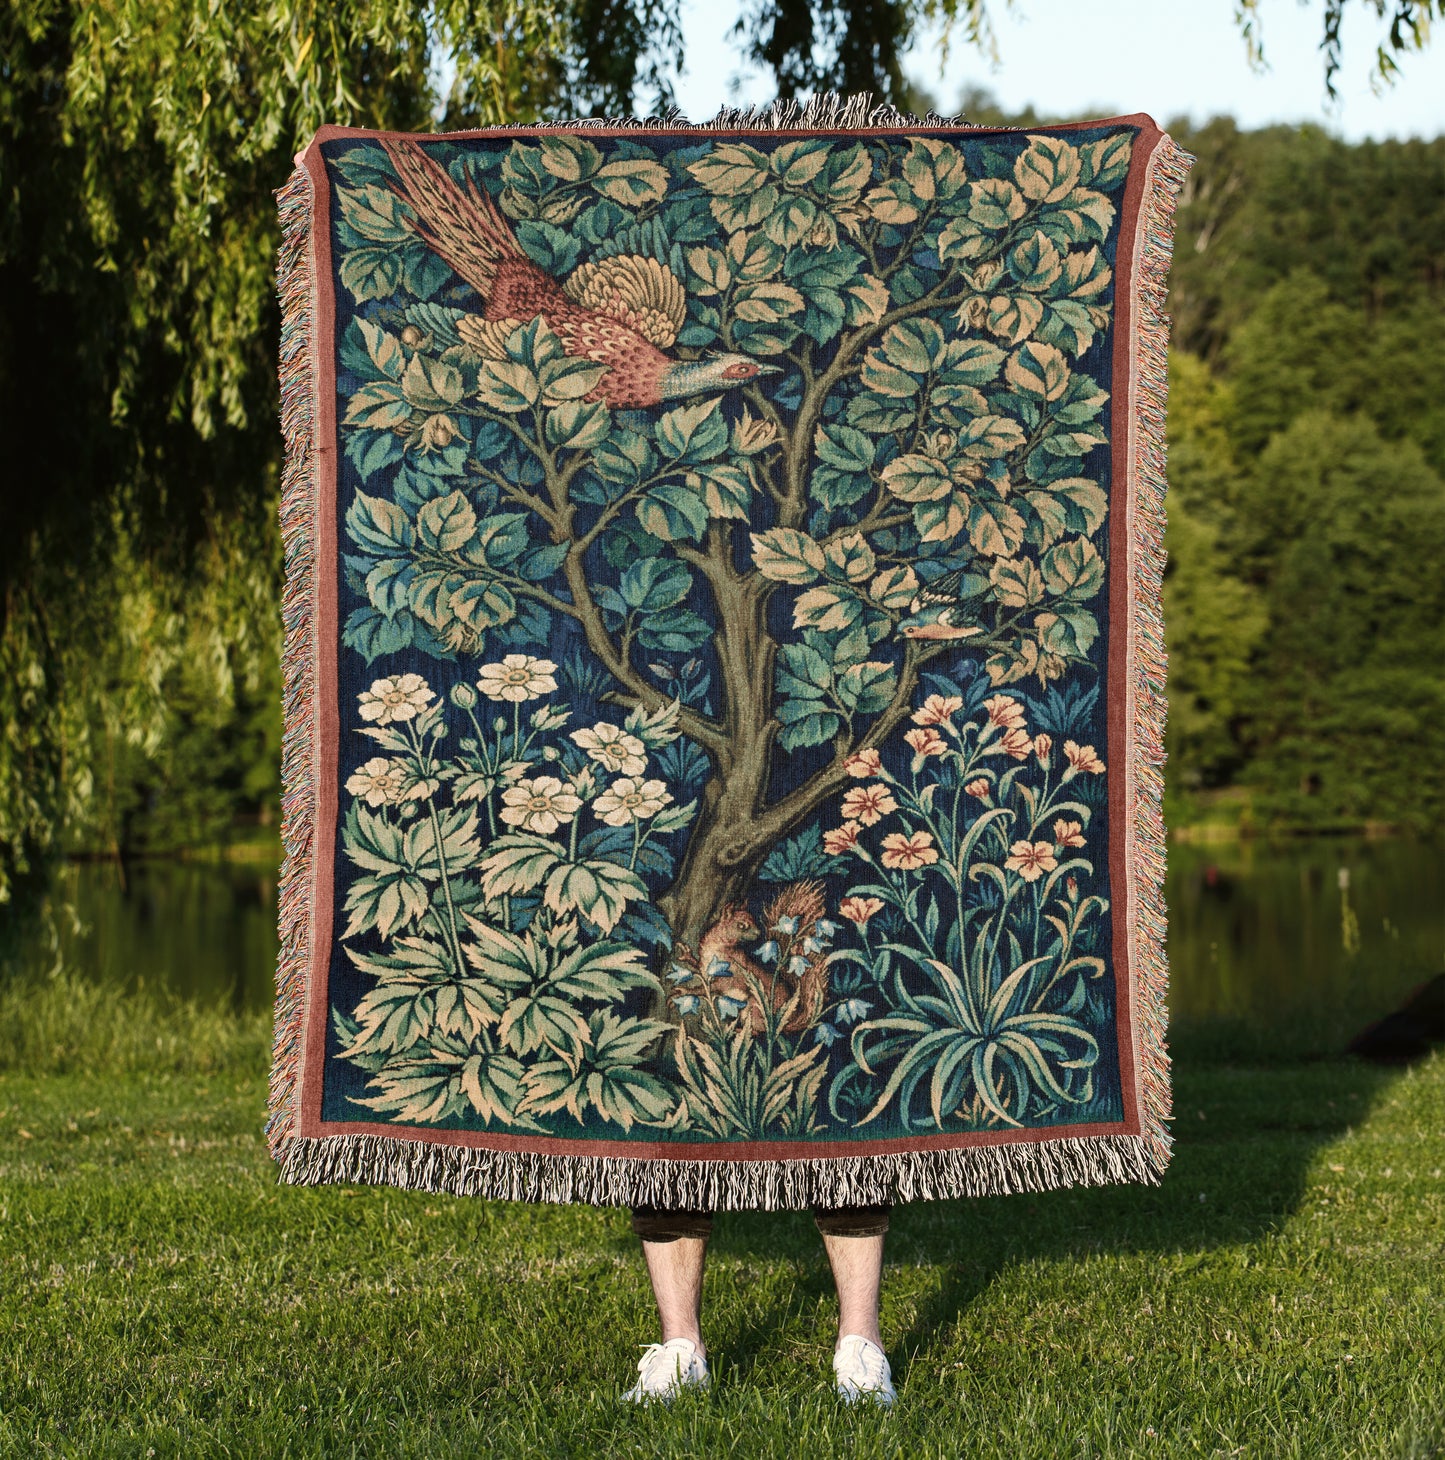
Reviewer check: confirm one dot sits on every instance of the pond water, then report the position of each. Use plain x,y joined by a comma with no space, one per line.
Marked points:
1286,947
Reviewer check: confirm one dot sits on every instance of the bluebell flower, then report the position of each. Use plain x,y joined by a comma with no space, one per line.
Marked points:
678,974
850,1011
731,1008
787,926
812,945
826,929
797,966
827,1035
718,967
685,1003
766,952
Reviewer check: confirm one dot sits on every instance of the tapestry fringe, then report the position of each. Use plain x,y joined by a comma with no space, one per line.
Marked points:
827,111
294,283
720,1185
1168,166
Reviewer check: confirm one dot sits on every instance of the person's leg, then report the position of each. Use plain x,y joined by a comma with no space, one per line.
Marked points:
853,1237
674,1246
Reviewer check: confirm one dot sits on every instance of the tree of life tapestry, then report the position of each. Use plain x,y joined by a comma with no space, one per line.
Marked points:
724,662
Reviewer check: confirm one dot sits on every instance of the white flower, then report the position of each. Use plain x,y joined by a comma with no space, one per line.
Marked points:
380,780
540,805
630,800
398,697
517,678
619,752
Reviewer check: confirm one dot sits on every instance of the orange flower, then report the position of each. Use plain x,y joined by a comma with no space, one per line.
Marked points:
1016,743
868,804
1005,711
1043,744
1031,859
926,742
1068,833
841,839
1083,758
860,909
979,788
937,710
863,763
908,852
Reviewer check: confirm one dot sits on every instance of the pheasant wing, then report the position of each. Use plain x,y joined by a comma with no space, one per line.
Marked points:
634,289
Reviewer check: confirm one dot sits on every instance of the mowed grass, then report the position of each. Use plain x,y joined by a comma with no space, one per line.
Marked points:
161,1295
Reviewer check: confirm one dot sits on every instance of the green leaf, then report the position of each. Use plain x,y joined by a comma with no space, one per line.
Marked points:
1017,583
766,302
851,556
1036,263
380,525
370,273
826,608
1047,169
650,584
1071,634
446,524
568,379
786,555
518,862
726,489
379,406
376,213
917,478
915,345
599,890
1087,503
868,688
569,158
803,672
994,527
693,433
994,203
578,425
1014,317
1106,162
632,181
1038,371
814,726
961,239
672,512
507,386
383,349
1073,569
894,588
731,169
844,447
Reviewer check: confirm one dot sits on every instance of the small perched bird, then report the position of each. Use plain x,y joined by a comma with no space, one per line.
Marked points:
623,312
942,611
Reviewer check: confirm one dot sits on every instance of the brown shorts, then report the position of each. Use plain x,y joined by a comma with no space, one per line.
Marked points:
655,1225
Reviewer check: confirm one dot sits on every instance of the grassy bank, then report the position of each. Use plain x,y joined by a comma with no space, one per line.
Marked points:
1278,1296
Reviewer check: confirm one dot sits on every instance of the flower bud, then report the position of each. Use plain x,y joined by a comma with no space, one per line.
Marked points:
438,432
986,272
463,696
499,724
975,313
549,752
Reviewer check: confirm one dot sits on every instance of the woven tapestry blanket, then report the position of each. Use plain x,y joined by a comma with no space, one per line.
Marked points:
724,664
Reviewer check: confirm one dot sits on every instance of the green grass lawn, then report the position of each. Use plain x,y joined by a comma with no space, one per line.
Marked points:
1280,1295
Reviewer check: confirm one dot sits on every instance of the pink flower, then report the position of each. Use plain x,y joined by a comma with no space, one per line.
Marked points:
1082,758
1005,711
868,804
1016,743
1031,859
841,839
926,742
860,909
1068,833
908,852
1043,744
937,710
979,788
863,763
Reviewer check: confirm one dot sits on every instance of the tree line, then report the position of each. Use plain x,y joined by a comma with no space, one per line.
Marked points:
139,555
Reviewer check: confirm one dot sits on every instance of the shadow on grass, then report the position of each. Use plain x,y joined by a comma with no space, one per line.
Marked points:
1245,1137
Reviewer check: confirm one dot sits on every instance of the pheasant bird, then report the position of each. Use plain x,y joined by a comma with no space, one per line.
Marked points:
623,312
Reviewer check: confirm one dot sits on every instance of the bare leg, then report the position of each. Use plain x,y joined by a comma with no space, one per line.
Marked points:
676,1272
857,1264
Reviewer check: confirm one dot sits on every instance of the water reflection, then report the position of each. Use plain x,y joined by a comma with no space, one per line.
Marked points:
1281,945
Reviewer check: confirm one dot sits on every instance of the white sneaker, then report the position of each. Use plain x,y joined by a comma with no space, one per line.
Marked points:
666,1369
861,1371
